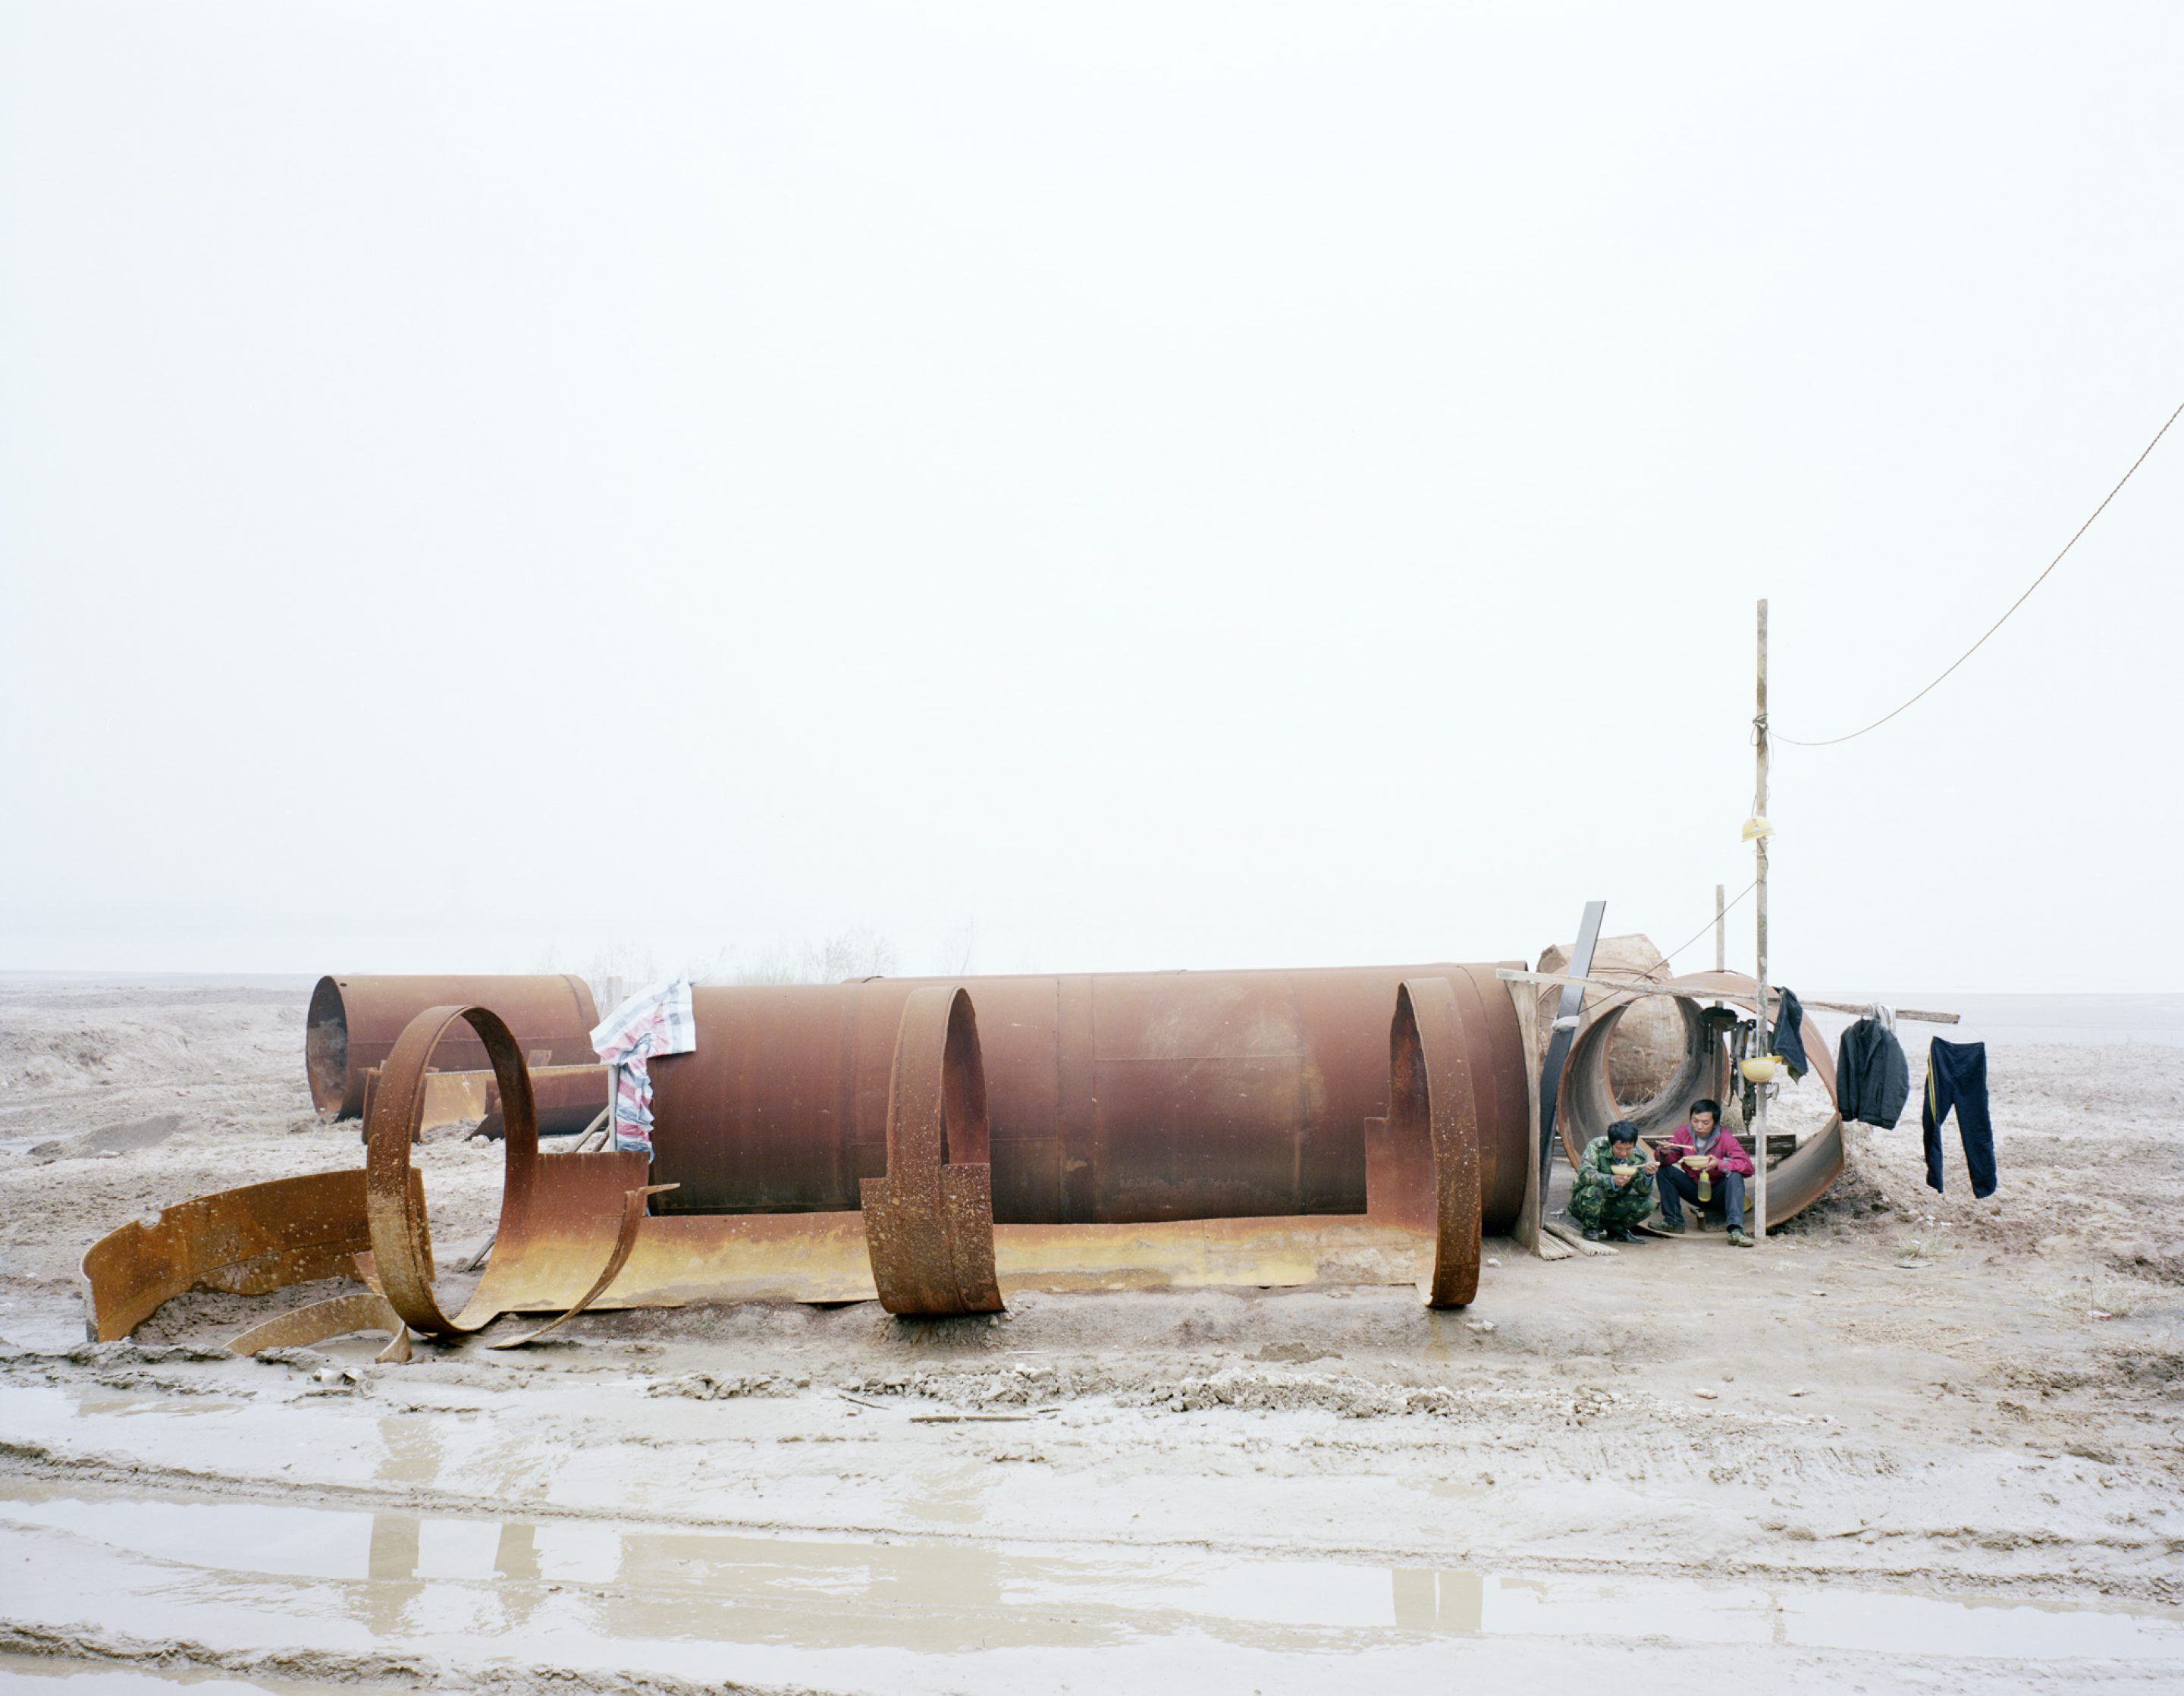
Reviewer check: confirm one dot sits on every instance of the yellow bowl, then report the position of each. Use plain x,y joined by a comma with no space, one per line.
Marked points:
1761,1068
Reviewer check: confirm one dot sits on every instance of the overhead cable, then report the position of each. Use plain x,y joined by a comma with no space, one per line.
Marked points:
1830,742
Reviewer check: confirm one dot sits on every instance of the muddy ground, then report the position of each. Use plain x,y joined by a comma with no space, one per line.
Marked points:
1912,1441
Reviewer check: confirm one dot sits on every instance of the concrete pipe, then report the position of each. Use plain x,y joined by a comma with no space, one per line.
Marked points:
1117,1098
353,1023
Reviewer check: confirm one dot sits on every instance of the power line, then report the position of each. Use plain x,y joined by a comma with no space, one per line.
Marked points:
1708,925
1652,973
1831,741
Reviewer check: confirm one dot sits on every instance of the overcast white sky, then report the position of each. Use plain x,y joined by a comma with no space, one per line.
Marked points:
482,485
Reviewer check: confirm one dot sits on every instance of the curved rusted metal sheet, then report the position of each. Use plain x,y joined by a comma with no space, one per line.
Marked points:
1122,1099
633,1205
246,1241
1586,1105
1433,1115
929,1221
354,1022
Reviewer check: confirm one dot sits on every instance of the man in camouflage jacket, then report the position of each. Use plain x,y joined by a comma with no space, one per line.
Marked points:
1605,1204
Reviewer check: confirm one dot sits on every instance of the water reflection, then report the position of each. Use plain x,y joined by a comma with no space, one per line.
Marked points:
406,1575
1439,1601
391,1563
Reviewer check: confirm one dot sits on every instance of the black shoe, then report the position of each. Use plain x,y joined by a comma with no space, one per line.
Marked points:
1620,1234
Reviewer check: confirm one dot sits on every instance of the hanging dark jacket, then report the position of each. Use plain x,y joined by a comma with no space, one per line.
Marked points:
1872,1081
1790,1034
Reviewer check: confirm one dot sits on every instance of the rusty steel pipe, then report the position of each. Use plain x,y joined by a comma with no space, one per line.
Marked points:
353,1023
1119,1098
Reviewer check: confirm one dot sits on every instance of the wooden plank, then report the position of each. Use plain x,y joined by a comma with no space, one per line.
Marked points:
1640,986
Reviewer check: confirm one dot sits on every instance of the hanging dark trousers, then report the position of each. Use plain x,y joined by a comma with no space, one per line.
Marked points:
1956,1077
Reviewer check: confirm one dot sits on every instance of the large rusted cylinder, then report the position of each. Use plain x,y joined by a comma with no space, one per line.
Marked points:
353,1023
1111,1099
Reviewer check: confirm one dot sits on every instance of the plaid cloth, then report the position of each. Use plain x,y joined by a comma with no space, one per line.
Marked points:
658,1020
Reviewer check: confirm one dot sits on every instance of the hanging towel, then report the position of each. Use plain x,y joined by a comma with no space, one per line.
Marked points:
651,1022
1956,1077
1872,1081
1790,1034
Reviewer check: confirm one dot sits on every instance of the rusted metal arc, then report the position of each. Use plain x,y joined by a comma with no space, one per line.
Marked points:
1430,1102
633,1203
246,1241
395,1206
929,1222
1588,1103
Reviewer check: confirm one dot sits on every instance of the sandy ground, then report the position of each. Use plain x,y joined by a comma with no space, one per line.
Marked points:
1911,1443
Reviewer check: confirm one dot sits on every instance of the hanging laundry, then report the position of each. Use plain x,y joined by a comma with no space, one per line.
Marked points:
1790,1034
1956,1077
651,1022
1873,1080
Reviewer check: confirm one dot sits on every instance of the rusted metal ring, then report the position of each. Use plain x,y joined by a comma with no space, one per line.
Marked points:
1430,1102
394,1204
1587,1104
929,1222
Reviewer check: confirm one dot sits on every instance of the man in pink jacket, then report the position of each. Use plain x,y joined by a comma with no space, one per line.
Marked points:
1704,1147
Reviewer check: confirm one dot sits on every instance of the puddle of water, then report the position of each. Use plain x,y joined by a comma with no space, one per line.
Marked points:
396,1574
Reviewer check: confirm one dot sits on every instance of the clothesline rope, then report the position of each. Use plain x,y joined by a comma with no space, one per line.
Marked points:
1831,741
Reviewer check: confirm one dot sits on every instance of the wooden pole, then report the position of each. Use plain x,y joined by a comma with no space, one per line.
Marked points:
1721,927
1760,971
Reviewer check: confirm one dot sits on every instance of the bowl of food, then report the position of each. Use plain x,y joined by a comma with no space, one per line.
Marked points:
1624,1168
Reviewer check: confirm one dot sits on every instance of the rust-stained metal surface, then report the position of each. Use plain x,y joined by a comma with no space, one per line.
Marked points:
929,1221
246,1241
634,1204
1431,1169
1586,1105
1175,1130
1124,1099
567,1099
572,1232
318,1321
558,1218
354,1021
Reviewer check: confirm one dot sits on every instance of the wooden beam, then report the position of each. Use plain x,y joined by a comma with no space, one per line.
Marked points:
1647,986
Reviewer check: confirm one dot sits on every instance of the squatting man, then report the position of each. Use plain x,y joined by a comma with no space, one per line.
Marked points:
1701,1163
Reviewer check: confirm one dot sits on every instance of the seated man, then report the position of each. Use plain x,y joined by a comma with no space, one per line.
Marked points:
1703,1149
1614,1187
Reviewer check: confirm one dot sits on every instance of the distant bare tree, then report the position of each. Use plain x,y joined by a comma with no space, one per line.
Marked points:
853,953
959,949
